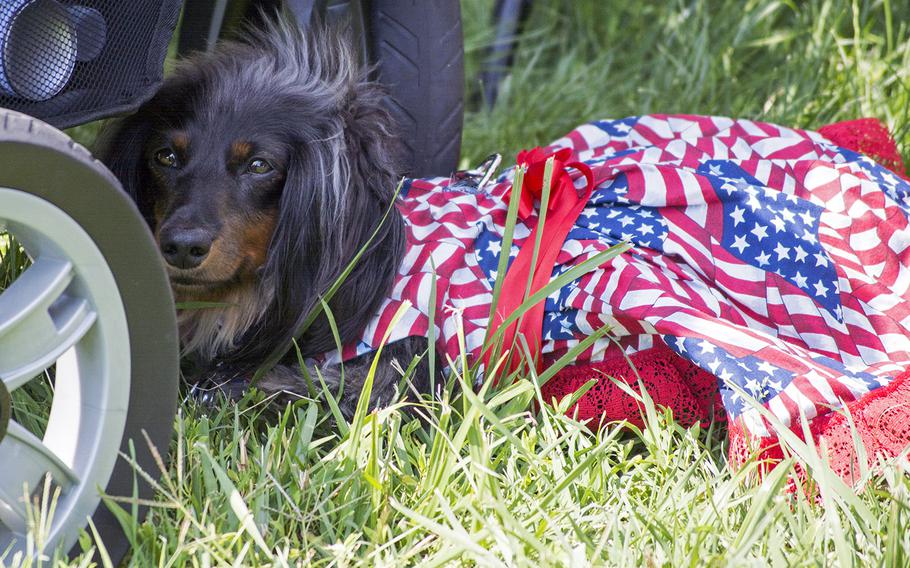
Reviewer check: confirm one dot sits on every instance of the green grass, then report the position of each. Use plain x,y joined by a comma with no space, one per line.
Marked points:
488,479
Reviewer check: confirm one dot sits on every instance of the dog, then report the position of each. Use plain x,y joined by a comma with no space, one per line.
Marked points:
263,169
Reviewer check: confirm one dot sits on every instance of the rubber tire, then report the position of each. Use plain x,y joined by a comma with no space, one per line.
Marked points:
38,159
418,49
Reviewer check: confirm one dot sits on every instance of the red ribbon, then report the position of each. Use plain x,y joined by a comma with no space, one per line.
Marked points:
566,203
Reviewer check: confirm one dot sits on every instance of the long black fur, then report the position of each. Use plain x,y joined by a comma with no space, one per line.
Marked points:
340,182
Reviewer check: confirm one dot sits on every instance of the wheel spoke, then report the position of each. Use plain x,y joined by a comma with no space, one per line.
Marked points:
26,461
39,321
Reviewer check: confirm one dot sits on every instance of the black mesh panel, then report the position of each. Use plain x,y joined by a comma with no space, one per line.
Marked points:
71,61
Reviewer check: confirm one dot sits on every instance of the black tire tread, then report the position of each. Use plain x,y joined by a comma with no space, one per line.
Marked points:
418,48
24,128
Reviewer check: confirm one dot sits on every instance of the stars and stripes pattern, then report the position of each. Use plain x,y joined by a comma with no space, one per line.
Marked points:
765,255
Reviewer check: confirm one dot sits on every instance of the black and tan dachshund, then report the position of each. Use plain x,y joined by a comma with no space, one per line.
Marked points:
263,168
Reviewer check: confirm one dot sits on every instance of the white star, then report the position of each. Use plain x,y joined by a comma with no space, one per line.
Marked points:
760,231
766,368
646,213
807,217
753,387
740,243
713,365
820,259
589,212
706,346
681,345
729,188
754,203
743,366
776,385
614,213
627,237
715,170
800,280
809,237
645,229
820,288
763,259
622,127
800,253
725,375
788,215
626,220
737,216
494,247
778,223
782,251
838,313
889,179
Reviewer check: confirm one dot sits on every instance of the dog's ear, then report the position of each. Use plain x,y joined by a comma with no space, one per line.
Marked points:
340,192
121,147
337,203
372,137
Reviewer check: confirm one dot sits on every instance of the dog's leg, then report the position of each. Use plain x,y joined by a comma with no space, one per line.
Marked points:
287,381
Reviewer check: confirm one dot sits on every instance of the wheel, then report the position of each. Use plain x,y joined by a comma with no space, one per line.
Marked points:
418,48
93,310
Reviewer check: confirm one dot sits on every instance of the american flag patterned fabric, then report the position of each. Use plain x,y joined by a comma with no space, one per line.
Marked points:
765,255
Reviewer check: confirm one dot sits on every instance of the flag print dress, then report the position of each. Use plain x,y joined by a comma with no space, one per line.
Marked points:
767,275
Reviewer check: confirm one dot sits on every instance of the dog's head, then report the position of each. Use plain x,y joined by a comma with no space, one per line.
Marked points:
263,169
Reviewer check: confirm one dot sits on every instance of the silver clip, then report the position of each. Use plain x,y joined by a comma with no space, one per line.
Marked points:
473,181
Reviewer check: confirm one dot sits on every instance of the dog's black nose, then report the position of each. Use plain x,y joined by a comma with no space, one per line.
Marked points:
186,249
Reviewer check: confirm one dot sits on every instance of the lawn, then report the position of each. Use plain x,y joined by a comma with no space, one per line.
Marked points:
489,479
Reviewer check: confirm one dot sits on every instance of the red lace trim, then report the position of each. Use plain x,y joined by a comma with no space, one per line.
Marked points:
670,380
881,420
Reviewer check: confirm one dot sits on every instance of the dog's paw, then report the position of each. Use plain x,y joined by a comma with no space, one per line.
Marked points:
284,382
210,388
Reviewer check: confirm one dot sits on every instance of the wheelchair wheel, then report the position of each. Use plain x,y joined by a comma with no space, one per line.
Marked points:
90,312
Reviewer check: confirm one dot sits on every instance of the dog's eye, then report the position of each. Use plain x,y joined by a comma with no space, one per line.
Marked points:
259,166
166,157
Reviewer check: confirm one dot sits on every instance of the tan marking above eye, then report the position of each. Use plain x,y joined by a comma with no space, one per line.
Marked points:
180,142
240,151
